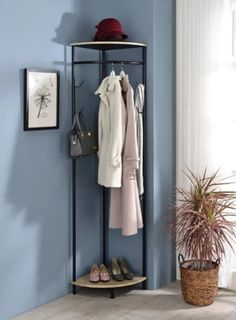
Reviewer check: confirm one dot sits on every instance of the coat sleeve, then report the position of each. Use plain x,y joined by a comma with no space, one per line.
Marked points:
100,116
131,144
117,125
100,130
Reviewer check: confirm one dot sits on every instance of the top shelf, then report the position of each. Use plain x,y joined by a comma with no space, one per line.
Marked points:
108,45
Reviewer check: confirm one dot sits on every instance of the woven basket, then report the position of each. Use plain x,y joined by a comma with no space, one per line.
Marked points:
198,287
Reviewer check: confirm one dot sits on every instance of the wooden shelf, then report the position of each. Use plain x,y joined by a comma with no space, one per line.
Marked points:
84,282
108,45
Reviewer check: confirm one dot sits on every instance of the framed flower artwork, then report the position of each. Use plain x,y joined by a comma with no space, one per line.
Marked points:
41,107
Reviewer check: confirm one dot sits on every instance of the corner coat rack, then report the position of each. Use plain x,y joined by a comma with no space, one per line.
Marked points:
103,47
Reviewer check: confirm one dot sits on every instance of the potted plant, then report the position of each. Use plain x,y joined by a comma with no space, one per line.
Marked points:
201,230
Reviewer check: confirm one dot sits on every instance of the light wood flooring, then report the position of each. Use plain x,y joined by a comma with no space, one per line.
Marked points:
162,304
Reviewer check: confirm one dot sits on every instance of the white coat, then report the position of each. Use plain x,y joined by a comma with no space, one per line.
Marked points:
111,132
125,210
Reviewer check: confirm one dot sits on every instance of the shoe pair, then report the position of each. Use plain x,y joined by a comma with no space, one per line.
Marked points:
119,270
99,273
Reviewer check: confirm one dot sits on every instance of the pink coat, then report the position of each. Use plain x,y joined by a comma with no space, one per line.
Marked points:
125,210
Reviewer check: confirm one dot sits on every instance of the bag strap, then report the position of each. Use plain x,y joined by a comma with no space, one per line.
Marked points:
81,121
76,123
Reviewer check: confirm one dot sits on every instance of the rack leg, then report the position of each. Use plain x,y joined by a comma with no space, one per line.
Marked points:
74,289
103,73
74,181
144,202
144,285
112,293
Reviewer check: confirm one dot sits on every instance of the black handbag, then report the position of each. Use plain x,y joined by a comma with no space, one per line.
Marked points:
82,141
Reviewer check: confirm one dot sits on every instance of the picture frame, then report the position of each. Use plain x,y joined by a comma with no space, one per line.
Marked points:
41,107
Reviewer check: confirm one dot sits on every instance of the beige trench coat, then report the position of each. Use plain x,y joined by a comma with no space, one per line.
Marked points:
125,211
111,132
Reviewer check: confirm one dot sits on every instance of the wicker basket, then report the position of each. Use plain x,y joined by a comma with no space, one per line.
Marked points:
198,287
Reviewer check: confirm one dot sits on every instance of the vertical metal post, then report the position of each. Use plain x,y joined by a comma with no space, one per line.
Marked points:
103,73
73,179
144,80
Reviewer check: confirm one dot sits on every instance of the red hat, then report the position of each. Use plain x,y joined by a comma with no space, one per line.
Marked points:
109,29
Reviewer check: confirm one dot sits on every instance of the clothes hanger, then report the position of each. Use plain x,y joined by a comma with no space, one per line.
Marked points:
122,73
112,74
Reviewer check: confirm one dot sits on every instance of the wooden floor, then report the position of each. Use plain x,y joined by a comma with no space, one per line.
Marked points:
162,304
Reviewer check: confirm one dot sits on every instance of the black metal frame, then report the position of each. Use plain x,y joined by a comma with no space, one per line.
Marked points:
103,62
108,62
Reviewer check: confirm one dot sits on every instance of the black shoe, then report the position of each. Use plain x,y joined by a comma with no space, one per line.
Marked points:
127,274
115,271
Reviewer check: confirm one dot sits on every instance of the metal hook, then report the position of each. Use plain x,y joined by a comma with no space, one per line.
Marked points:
122,73
80,85
112,74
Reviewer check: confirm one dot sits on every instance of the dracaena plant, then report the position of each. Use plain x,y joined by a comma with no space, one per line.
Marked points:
200,223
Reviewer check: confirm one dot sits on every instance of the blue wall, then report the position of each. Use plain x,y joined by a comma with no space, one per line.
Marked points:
162,256
34,167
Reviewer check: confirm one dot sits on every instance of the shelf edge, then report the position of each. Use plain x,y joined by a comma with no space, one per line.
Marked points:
96,43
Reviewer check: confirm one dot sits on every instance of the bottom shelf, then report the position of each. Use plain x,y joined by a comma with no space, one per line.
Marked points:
84,282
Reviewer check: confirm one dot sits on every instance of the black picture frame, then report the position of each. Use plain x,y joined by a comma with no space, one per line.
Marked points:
41,95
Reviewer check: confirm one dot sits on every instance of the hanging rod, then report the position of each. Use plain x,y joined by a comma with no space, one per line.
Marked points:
108,62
